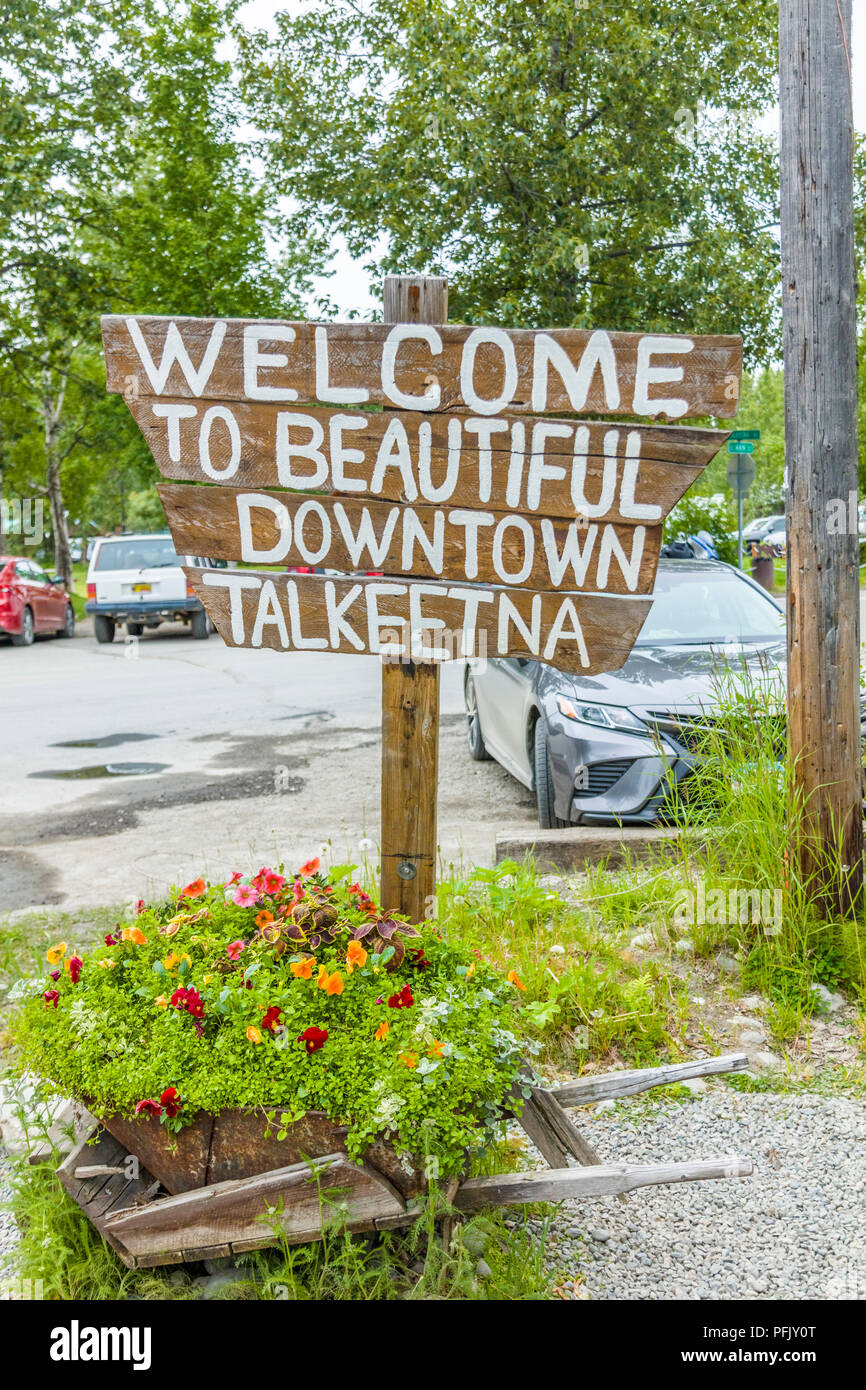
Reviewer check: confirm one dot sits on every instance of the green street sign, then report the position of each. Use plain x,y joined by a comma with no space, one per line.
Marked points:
745,434
740,446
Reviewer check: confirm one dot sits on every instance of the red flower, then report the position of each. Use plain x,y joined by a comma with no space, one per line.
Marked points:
313,1038
194,889
151,1107
189,1000
140,907
110,940
194,1003
51,996
297,891
54,975
170,1102
75,963
268,881
403,1000
417,958
271,1017
234,949
312,866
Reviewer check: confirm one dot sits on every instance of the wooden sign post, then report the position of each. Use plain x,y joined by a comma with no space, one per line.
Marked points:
410,701
417,463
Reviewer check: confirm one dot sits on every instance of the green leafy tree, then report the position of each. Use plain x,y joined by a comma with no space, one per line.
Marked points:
125,188
565,161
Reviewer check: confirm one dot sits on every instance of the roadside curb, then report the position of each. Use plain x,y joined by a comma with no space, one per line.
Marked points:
582,845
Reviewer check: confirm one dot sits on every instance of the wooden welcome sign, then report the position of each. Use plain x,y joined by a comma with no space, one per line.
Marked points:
433,469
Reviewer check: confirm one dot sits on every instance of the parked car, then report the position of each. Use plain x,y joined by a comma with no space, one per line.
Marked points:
758,530
137,580
31,602
605,749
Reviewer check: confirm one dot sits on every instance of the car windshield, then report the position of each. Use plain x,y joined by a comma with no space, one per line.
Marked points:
137,553
708,606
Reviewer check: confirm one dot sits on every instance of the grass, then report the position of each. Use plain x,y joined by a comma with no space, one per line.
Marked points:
25,937
79,588
61,1250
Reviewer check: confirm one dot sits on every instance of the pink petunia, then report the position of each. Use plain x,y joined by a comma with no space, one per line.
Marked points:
235,878
245,896
234,949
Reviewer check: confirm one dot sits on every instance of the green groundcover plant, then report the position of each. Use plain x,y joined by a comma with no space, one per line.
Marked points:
289,992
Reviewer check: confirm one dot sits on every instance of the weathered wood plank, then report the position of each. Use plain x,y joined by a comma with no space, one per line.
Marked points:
585,633
587,1089
558,1123
557,1185
556,467
280,528
487,370
297,1199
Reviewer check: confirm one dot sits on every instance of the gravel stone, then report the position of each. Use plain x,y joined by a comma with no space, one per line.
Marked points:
793,1230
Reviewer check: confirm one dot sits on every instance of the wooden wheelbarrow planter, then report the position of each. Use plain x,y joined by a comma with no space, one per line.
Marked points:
227,1217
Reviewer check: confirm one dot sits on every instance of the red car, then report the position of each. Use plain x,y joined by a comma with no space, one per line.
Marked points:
30,602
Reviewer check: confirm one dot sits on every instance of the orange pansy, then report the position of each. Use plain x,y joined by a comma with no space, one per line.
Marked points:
303,969
436,1049
513,979
382,1031
253,1034
408,1059
264,918
355,955
53,956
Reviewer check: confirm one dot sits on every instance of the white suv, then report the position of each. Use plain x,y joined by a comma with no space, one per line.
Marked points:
138,580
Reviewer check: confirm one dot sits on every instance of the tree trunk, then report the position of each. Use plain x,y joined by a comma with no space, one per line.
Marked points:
51,411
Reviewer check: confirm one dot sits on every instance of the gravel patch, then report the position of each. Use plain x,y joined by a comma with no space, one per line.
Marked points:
794,1229
9,1233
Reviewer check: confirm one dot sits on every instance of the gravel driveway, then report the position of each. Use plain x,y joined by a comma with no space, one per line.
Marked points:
794,1229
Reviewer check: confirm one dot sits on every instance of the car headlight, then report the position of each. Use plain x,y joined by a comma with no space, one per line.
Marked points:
607,716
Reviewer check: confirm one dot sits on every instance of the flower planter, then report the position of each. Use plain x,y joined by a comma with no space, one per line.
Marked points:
234,1144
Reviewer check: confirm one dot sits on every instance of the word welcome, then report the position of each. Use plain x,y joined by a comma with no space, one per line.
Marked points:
421,367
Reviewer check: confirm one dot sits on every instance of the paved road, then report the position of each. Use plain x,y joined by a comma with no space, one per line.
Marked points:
259,755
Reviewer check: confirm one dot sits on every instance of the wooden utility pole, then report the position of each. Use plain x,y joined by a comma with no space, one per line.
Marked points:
410,700
818,299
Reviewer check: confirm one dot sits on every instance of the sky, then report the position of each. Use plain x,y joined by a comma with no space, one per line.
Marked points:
348,286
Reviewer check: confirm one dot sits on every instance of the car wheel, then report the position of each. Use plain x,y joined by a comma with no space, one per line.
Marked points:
135,629
474,737
103,628
547,817
68,628
24,638
200,625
